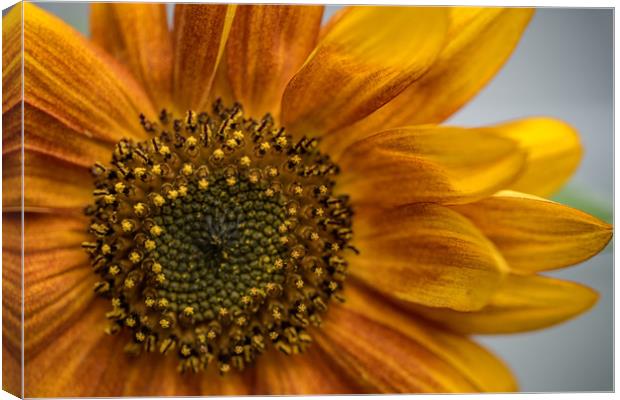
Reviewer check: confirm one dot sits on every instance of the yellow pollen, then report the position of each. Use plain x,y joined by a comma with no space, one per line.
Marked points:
292,210
156,230
106,249
265,146
186,351
211,335
273,335
253,178
109,198
127,225
218,154
187,169
246,299
241,321
272,171
296,159
159,200
156,169
323,189
276,314
139,172
298,190
314,236
231,143
278,263
129,283
139,209
223,311
269,192
333,286
149,302
163,302
225,368
203,184
231,180
164,323
116,302
335,246
238,349
188,311
295,253
173,194
253,291
238,135
164,150
244,161
299,284
182,190
202,338
192,141
119,187
318,271
161,278
134,257
130,322
156,268
281,141
114,270
301,308
140,337
283,239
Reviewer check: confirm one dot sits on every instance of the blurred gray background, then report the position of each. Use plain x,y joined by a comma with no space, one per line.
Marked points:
563,67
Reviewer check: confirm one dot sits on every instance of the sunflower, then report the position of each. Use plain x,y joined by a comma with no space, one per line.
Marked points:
253,203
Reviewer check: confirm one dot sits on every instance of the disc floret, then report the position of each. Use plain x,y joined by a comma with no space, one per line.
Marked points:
217,236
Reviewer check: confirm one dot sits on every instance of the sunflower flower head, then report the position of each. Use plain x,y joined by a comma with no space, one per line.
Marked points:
230,177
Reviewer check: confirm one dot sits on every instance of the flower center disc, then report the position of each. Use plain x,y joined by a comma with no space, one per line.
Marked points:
216,237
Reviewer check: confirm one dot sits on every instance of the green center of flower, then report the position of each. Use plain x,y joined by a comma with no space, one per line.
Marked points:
217,237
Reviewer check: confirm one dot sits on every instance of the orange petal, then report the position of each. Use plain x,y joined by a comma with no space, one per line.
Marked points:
369,56
49,183
480,40
384,360
524,303
58,280
12,58
267,45
70,79
46,135
11,303
535,234
553,152
428,164
138,36
426,254
479,366
311,372
200,34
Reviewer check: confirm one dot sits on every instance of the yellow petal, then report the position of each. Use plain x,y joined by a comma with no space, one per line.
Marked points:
137,35
72,80
524,303
479,42
311,372
49,183
12,57
267,45
426,254
554,151
384,360
478,365
365,60
200,34
535,234
428,164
